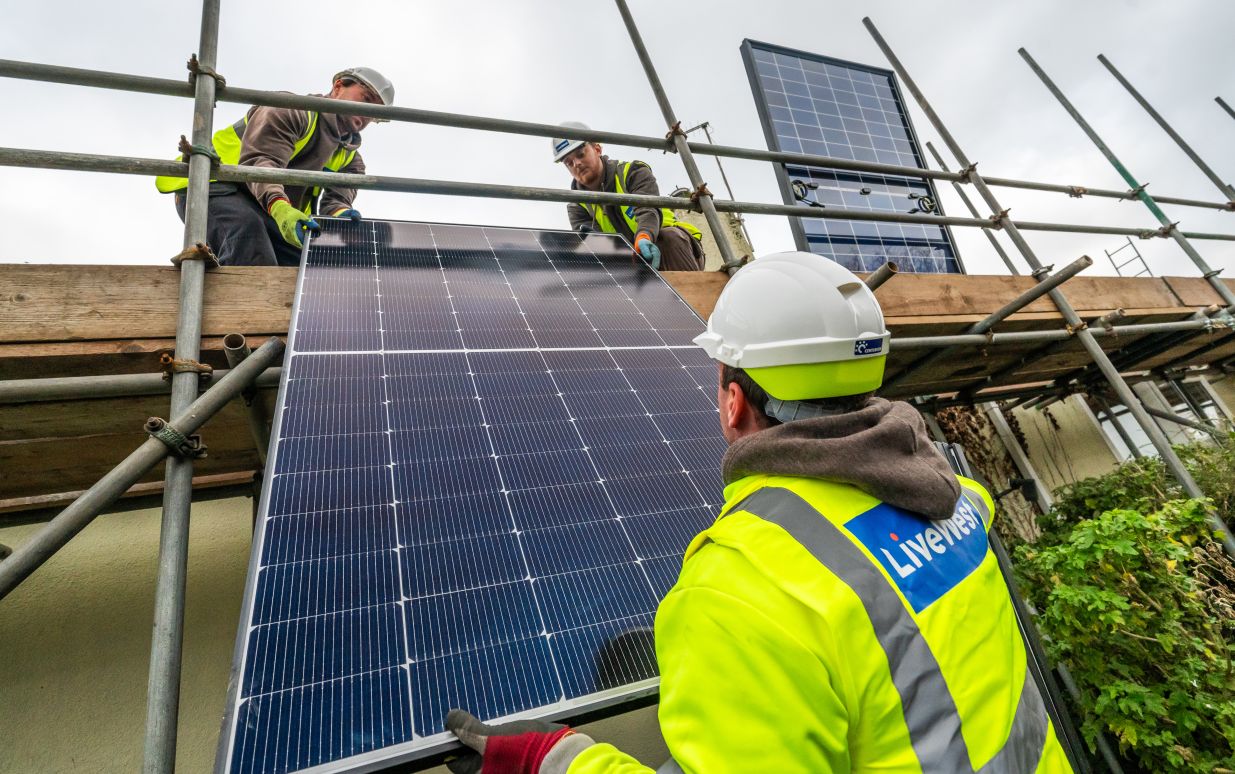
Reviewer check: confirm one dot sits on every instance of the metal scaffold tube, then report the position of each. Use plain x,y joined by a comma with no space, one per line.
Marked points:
163,689
1225,106
1211,276
1046,282
720,232
138,166
1003,255
103,386
236,350
34,552
142,84
1086,336
1221,184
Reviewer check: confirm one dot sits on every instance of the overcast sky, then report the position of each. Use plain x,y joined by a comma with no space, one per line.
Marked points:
557,60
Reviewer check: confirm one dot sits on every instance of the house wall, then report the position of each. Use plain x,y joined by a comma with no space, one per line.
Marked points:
75,647
1065,443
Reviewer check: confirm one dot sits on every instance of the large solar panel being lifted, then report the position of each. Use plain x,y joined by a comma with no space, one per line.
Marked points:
491,449
829,107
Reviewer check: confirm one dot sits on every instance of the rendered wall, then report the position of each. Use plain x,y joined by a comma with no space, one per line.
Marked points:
1064,443
75,648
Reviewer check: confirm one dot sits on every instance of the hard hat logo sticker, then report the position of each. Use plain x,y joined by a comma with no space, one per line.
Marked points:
868,346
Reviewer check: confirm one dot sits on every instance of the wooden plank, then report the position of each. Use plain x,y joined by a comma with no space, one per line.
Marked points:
118,302
700,289
61,499
1195,292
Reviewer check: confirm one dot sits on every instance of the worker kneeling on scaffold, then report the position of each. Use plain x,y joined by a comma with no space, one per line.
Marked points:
658,237
263,224
845,613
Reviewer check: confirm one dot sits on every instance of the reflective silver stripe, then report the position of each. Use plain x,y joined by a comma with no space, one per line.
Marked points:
978,502
929,709
670,767
1027,739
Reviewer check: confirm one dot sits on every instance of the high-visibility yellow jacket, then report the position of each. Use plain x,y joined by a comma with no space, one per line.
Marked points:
288,139
600,216
815,629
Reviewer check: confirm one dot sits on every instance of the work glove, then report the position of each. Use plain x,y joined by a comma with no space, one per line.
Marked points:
293,224
347,212
585,230
646,247
519,747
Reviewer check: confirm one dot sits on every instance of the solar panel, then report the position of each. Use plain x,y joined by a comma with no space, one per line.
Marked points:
491,449
829,107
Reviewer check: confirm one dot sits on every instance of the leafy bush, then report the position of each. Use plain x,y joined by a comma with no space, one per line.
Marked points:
1137,598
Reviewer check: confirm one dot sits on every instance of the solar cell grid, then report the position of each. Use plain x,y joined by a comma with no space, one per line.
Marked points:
827,107
492,447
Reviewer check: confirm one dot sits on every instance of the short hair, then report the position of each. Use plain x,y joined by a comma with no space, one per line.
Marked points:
758,397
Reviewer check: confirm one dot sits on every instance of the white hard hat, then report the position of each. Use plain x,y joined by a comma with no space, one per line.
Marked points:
563,146
380,84
801,326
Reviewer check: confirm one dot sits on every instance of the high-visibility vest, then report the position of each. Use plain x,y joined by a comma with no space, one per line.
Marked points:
814,628
227,143
628,213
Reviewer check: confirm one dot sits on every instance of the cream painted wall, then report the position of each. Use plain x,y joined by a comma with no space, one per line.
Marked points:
75,645
1074,450
1225,387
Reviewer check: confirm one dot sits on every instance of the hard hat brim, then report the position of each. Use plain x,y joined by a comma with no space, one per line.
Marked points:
820,380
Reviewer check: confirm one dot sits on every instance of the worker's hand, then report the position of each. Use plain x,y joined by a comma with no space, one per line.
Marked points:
519,747
586,229
646,246
347,212
293,224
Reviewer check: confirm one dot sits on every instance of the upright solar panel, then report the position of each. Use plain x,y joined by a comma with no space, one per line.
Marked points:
829,107
491,449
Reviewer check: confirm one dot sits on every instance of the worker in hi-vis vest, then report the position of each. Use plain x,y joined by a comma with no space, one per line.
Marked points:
845,613
262,224
662,240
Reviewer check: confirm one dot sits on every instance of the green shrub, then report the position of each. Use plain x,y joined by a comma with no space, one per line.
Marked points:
1139,602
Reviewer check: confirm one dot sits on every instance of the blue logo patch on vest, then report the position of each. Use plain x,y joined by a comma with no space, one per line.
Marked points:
868,346
925,558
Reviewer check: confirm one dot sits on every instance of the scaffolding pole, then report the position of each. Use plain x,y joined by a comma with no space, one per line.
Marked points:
1221,102
731,262
1221,184
1046,283
1003,255
73,519
164,86
1210,274
20,157
1173,463
236,350
163,688
59,388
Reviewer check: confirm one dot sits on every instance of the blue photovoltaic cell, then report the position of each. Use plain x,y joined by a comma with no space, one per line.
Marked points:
828,107
491,451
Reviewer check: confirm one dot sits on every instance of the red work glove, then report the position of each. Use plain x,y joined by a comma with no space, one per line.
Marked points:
519,747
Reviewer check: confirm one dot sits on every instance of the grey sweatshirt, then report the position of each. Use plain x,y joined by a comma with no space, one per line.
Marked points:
268,142
882,449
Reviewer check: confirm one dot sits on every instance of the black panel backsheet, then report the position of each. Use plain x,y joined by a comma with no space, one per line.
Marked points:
493,447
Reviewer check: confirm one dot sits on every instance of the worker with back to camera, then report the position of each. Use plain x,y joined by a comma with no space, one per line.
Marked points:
263,224
662,240
845,612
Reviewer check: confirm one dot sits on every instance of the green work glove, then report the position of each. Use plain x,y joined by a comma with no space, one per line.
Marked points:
292,222
646,247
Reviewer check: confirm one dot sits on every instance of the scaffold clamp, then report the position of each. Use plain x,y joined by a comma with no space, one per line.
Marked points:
171,365
966,175
181,445
998,218
1077,191
198,252
1166,230
187,149
196,68
701,190
1132,193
